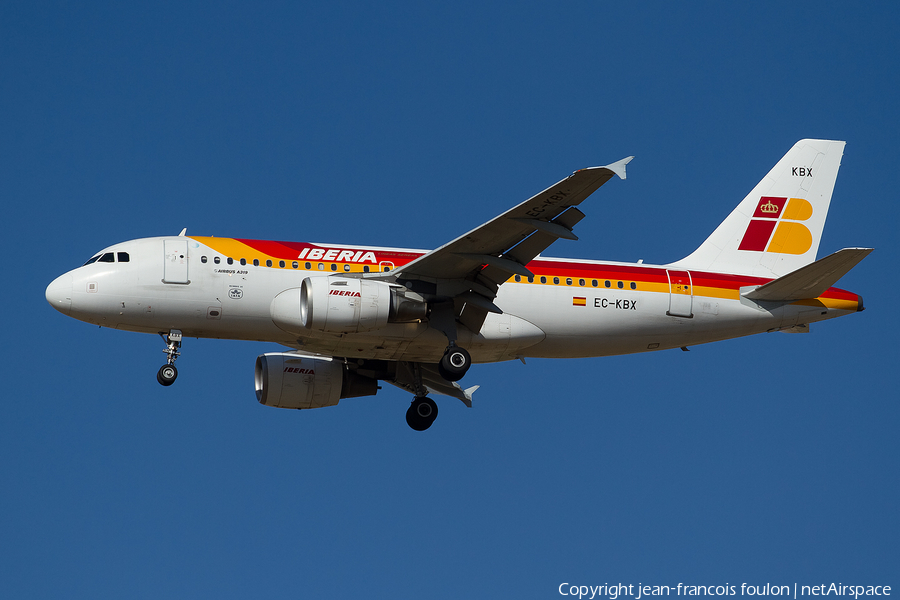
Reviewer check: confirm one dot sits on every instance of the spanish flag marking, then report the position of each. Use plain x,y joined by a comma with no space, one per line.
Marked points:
579,301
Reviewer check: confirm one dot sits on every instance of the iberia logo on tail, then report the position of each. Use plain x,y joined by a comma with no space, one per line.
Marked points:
781,216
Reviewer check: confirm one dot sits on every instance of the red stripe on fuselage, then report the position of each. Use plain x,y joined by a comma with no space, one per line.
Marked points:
559,268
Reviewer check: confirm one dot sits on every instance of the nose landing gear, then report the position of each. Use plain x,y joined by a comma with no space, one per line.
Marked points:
167,373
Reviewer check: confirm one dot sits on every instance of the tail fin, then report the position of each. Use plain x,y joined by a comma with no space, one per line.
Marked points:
778,226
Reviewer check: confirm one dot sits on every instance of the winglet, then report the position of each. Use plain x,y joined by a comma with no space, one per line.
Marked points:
468,393
618,167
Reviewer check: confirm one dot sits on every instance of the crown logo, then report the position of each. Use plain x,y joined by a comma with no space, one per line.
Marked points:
769,207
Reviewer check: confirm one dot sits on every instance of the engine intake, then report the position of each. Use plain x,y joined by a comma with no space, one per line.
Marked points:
345,305
286,380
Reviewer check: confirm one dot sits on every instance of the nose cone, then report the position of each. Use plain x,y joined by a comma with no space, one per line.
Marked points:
59,293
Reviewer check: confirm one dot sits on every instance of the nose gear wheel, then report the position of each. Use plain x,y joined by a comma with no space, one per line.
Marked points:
167,373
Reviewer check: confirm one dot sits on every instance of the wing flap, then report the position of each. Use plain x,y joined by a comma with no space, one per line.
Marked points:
551,227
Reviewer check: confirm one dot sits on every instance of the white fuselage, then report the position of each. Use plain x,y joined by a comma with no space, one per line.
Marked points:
198,293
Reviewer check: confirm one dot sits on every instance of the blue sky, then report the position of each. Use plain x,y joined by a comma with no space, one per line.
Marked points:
771,459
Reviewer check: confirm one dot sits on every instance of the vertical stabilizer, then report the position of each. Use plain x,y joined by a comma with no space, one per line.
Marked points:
778,226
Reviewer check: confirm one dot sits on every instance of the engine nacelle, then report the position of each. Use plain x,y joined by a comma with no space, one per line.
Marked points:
286,380
342,305
345,305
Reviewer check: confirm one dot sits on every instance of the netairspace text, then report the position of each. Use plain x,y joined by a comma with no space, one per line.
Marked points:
795,591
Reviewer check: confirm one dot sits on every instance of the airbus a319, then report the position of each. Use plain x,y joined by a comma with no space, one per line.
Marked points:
353,316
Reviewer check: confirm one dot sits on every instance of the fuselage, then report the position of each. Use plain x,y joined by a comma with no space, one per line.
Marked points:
224,288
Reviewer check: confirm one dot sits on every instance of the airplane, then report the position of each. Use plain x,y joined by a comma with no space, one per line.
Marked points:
351,316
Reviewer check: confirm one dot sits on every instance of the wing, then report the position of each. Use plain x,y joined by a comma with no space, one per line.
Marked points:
470,269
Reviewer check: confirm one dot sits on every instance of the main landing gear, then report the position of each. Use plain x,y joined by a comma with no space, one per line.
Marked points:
167,373
421,413
452,367
455,363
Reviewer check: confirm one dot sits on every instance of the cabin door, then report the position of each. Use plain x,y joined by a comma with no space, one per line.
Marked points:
175,269
681,294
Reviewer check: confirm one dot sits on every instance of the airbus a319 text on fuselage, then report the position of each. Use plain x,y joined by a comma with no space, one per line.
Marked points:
351,316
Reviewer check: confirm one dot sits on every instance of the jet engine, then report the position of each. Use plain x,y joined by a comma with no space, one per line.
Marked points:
286,380
345,305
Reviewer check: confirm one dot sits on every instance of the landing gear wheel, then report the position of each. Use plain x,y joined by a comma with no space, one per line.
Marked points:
454,364
167,374
421,413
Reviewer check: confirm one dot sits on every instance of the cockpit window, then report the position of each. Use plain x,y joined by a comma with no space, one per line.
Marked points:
91,260
122,256
107,258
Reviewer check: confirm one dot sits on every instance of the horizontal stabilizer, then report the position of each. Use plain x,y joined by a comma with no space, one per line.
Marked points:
812,280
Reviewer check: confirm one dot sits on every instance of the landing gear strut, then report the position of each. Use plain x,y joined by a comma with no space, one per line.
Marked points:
167,373
421,413
455,362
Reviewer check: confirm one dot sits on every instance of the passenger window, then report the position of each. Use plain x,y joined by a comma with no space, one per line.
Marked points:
581,282
217,260
334,266
594,282
543,279
230,261
386,269
203,259
346,268
633,285
255,262
295,265
122,256
606,283
108,258
531,279
518,278
568,281
365,268
621,285
243,261
281,263
269,263
556,280
321,266
307,266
